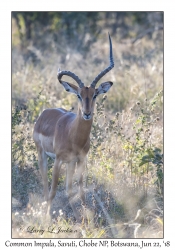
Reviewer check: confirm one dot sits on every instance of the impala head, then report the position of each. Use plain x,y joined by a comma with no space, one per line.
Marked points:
87,95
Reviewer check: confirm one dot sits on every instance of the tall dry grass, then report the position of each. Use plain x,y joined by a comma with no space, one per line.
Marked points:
123,181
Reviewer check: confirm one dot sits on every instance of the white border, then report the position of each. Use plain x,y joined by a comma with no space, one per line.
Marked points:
5,94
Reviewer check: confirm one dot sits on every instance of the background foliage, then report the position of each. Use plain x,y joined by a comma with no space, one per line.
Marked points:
124,175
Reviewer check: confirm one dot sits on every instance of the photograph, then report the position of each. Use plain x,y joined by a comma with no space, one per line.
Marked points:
87,126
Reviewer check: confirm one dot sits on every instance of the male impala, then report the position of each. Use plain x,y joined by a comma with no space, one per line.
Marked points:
65,136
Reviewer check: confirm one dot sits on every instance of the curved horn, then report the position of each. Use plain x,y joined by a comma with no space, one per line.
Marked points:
93,84
68,73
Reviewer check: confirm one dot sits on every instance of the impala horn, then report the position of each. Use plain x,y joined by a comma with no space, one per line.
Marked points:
68,73
93,84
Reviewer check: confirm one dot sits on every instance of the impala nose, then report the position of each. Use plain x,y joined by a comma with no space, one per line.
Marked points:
87,116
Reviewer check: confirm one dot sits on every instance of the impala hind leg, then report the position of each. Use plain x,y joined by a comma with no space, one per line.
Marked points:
55,175
42,162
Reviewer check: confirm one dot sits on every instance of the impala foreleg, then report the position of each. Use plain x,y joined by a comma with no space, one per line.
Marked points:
81,168
55,175
70,170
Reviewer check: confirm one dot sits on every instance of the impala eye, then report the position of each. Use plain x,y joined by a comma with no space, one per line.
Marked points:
94,96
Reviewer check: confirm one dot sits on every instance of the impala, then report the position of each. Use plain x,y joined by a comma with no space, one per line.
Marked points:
65,136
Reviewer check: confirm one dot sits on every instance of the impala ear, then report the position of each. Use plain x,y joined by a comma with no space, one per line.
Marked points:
103,88
69,87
